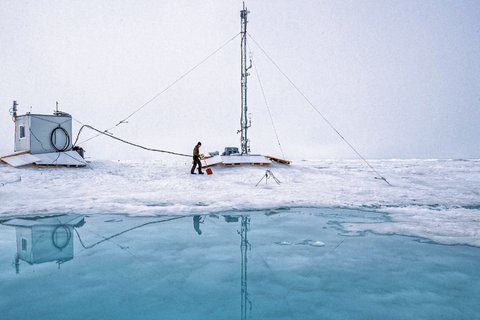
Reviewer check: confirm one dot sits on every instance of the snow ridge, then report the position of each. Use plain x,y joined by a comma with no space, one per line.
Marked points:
435,199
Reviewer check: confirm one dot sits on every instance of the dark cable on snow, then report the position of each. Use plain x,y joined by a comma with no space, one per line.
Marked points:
127,142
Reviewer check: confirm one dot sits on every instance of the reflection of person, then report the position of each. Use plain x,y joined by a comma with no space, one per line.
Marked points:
196,224
196,159
17,264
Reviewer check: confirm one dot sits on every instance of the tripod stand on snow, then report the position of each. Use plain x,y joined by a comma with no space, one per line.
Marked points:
268,174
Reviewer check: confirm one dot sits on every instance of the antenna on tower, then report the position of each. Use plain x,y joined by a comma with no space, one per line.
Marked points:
245,122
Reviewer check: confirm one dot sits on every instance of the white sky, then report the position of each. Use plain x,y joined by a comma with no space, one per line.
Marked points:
399,79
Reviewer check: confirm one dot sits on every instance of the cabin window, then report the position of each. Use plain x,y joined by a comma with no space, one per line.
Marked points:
24,244
22,132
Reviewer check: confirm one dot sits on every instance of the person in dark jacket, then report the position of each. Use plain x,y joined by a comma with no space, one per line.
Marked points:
196,159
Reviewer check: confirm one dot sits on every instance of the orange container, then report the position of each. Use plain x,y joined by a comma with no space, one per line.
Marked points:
209,170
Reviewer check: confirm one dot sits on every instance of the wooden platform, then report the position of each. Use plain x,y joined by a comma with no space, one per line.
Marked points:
243,164
282,161
70,159
242,160
58,165
15,153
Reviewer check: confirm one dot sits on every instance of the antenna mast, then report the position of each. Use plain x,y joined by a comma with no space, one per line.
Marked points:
244,121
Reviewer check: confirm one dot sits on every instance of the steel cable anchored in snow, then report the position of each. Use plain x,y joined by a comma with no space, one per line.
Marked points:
168,87
268,108
318,111
127,142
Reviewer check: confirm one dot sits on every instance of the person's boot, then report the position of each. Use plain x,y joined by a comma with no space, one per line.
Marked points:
200,172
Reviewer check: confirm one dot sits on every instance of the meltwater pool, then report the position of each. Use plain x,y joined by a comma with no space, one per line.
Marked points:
285,263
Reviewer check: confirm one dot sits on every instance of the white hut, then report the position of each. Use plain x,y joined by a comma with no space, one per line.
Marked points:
42,139
41,133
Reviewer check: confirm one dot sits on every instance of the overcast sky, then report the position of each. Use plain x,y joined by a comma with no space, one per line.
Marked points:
399,79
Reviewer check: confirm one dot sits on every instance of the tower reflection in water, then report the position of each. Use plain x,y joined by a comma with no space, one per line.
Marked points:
48,239
45,239
245,303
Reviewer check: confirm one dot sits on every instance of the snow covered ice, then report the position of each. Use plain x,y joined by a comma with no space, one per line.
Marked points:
328,242
435,199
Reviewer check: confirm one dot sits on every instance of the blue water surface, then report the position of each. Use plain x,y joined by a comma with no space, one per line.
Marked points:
272,264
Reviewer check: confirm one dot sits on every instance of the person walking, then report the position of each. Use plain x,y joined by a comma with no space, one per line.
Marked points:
196,159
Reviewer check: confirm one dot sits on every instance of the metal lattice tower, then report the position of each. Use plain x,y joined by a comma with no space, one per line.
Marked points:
244,121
